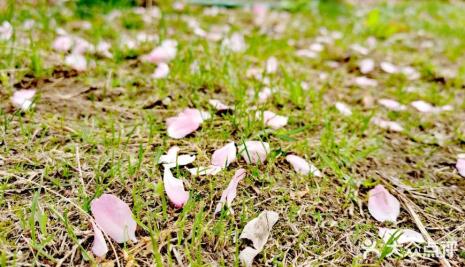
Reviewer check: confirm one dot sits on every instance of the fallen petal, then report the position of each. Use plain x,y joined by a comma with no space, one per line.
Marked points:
271,119
343,109
174,189
388,125
229,193
99,247
401,236
365,82
218,105
247,255
161,71
63,43
114,217
461,164
76,61
22,99
271,65
391,104
162,54
382,205
254,151
184,123
366,65
258,230
225,155
201,171
301,166
388,67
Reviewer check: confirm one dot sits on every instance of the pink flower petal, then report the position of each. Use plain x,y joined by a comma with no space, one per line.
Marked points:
161,71
63,43
235,43
301,166
271,65
461,164
402,236
254,151
423,106
163,53
365,82
391,104
271,119
218,105
229,193
388,125
343,109
23,98
99,247
264,94
114,217
76,61
225,155
388,67
366,65
184,123
306,53
174,189
6,31
382,205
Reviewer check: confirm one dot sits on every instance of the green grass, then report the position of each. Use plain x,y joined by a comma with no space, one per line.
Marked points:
45,202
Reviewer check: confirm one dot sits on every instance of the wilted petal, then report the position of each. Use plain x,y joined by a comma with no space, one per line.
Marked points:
365,82
388,125
174,189
366,65
225,155
382,205
271,65
461,164
388,67
201,171
99,247
76,61
161,71
303,167
254,151
401,236
273,120
22,99
63,43
229,193
114,217
258,230
391,104
343,109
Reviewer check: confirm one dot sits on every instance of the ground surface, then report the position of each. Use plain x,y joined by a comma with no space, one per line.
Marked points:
103,129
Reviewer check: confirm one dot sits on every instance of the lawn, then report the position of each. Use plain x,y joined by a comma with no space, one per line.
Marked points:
369,95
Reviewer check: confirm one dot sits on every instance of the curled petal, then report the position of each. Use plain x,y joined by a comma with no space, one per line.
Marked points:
114,217
174,189
229,193
254,151
382,205
301,166
225,155
99,247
